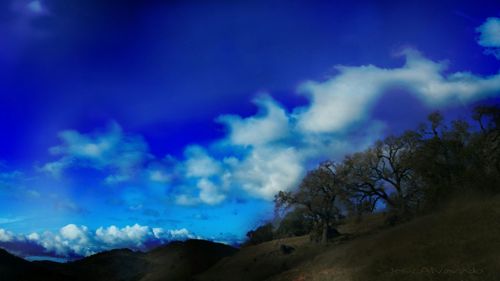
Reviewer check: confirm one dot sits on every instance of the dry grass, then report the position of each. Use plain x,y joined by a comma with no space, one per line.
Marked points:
459,244
262,261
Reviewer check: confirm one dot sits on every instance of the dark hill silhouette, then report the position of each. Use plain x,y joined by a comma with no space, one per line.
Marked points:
174,261
15,268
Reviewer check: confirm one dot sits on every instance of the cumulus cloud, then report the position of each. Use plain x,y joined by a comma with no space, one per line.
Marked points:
199,164
129,235
270,125
209,193
73,232
5,236
267,170
200,170
78,241
489,36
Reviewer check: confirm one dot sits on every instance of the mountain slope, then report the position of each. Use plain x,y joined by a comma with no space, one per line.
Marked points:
15,268
181,260
175,261
120,264
460,243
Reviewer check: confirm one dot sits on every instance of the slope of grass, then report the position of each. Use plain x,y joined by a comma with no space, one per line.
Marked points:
461,243
178,261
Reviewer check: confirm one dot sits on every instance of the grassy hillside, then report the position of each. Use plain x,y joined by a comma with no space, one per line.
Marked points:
461,243
181,260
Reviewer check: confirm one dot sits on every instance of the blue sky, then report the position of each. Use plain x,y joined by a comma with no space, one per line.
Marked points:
131,123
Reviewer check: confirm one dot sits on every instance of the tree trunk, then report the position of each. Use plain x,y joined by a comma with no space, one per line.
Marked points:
324,235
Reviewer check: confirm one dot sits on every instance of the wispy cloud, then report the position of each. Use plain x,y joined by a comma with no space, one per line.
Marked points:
111,150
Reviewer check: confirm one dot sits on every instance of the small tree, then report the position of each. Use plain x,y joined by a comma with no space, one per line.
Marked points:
261,234
488,141
320,193
296,222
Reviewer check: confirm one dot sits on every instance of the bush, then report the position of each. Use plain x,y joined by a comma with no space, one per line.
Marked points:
295,223
261,234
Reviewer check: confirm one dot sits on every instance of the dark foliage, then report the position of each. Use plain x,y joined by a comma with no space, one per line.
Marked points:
297,222
416,172
261,234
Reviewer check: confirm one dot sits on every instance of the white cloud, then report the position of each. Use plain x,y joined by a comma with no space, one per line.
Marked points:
490,36
267,170
199,163
5,236
174,234
62,245
33,236
271,124
278,147
271,150
129,235
157,232
111,150
73,232
348,97
73,240
209,193
158,175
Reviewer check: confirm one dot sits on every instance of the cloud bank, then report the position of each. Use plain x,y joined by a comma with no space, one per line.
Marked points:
78,241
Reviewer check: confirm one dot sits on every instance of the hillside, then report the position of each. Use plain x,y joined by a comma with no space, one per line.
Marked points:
460,243
15,268
175,261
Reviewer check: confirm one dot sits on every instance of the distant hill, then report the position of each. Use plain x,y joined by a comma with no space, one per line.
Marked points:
175,261
15,268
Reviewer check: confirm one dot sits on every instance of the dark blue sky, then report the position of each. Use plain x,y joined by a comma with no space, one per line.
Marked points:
110,111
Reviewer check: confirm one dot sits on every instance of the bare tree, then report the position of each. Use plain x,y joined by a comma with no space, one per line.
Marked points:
321,193
384,172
